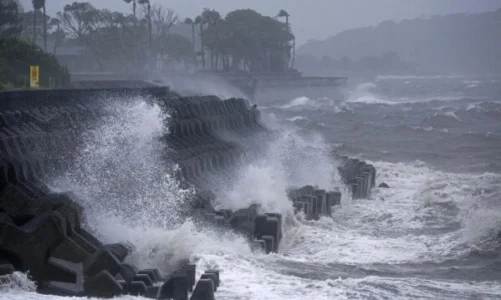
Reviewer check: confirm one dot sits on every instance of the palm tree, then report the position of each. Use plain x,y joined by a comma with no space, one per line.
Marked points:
44,27
58,34
37,4
199,20
134,4
189,21
34,22
149,22
211,18
282,13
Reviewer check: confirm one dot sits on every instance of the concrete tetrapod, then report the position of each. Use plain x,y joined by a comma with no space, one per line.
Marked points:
208,137
314,203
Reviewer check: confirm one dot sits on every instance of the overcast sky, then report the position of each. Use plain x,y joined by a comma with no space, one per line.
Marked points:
310,19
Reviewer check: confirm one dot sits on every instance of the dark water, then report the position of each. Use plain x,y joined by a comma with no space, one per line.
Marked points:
435,234
452,123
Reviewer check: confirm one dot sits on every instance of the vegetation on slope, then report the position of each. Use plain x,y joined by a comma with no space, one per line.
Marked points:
455,43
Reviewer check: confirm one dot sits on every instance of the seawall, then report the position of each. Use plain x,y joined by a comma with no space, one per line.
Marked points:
44,232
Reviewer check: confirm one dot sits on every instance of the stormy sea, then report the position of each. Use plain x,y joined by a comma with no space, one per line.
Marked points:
435,233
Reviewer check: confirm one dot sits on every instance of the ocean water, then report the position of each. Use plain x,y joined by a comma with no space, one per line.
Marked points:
434,234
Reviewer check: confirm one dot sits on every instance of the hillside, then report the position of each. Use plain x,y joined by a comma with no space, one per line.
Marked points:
453,43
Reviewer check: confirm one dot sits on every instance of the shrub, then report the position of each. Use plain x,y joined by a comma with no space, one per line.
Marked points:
16,57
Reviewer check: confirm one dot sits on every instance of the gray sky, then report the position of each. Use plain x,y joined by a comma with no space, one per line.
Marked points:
311,19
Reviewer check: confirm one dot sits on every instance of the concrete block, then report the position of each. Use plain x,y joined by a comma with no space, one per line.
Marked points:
373,173
154,274
127,272
190,275
13,200
175,287
321,201
204,290
310,207
226,213
69,250
40,232
334,198
367,183
102,284
258,245
216,272
75,288
119,250
212,277
269,243
241,223
354,190
360,186
137,288
152,292
144,278
68,207
90,239
269,226
306,190
102,259
279,218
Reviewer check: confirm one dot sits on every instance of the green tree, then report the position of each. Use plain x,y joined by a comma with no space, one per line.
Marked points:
44,26
58,34
148,16
134,6
115,39
19,55
199,21
112,31
283,14
212,19
189,21
179,49
246,40
162,20
27,18
134,12
37,5
78,19
10,22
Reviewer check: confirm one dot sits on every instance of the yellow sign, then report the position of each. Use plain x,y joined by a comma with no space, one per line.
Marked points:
34,77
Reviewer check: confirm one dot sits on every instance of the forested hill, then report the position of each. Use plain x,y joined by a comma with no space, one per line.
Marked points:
452,43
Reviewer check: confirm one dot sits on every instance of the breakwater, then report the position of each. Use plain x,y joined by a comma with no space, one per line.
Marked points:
44,233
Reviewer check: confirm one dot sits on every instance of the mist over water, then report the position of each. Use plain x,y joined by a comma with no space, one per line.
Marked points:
288,160
204,85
